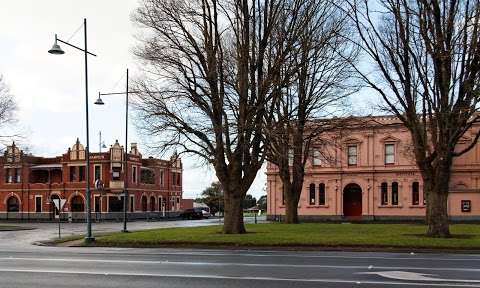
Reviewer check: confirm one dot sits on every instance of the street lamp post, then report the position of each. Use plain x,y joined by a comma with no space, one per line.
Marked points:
125,157
58,51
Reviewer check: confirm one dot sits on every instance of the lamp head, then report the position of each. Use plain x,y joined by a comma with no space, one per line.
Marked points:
56,50
99,101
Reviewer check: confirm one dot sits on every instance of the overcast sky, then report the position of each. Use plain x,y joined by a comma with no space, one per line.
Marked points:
49,89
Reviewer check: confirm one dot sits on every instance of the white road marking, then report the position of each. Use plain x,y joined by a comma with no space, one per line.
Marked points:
402,284
260,253
412,276
248,253
187,263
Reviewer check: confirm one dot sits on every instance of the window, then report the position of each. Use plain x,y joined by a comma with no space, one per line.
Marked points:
81,173
352,154
115,204
389,153
466,205
116,173
147,176
321,194
8,177
415,194
174,176
172,203
394,193
134,174
76,204
38,204
384,193
73,173
152,203
144,203
132,202
96,202
179,179
316,158
18,173
13,204
312,194
161,177
98,172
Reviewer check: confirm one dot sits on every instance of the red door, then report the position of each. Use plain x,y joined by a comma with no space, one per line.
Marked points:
352,200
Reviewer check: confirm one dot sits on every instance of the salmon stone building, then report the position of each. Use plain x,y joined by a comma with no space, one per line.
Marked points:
368,172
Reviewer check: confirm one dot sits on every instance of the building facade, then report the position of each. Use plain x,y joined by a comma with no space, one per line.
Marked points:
29,184
368,172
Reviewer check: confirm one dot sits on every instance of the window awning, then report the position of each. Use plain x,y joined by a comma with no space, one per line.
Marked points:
47,167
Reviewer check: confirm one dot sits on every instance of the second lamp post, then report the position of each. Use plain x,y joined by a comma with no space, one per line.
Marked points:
125,157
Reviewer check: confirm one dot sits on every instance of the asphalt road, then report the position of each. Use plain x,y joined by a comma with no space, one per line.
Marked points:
24,265
101,267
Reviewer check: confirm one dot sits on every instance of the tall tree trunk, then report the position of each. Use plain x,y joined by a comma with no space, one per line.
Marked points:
233,215
291,206
435,187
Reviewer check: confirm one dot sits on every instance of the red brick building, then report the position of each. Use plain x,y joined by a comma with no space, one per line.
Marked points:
28,184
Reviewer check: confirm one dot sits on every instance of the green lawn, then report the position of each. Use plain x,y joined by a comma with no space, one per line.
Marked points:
465,236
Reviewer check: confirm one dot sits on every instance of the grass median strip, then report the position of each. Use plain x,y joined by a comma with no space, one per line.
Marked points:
464,236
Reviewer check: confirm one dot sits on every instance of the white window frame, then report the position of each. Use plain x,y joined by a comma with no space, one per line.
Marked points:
387,160
134,177
94,167
162,175
316,157
159,203
172,207
355,146
18,171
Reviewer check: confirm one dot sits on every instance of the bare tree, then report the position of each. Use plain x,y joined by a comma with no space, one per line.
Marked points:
208,67
7,103
425,58
321,80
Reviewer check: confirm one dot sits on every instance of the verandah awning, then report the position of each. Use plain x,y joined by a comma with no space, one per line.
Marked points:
47,167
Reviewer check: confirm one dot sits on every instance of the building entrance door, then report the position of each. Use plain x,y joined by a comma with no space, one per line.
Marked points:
352,200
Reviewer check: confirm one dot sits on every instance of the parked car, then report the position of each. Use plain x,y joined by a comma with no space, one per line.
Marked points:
192,213
206,214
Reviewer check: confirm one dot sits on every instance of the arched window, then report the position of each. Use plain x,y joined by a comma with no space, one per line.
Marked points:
394,193
415,193
312,194
77,204
144,203
321,194
152,203
12,204
384,193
